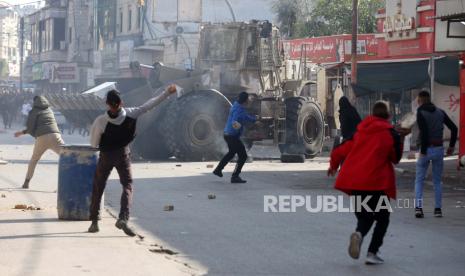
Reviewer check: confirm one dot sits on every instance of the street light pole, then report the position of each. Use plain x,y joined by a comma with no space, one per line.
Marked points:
354,40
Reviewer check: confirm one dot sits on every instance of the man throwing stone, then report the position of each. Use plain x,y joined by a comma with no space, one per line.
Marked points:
112,133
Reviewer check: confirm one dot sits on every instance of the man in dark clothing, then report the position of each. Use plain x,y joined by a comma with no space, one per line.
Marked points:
348,117
238,117
368,174
112,133
431,121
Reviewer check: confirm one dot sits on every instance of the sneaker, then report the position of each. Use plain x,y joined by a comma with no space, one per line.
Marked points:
218,173
373,259
94,227
237,180
355,245
123,225
26,184
438,212
419,213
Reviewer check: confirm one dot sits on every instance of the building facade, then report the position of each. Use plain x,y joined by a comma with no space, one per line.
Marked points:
9,42
61,48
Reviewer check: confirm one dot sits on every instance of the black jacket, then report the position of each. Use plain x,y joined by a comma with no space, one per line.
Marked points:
348,117
431,121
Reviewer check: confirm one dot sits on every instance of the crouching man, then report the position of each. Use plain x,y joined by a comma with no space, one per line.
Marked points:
368,174
112,133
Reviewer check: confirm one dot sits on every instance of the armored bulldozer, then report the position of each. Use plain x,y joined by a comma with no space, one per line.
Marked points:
233,57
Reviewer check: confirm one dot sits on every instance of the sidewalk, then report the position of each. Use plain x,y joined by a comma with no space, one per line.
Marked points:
451,177
37,243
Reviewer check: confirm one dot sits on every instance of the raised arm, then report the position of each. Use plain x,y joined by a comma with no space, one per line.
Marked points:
152,103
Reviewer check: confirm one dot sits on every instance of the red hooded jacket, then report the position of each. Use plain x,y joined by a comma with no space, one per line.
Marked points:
368,158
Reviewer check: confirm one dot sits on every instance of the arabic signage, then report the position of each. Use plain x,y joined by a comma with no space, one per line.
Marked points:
400,22
56,72
64,73
331,49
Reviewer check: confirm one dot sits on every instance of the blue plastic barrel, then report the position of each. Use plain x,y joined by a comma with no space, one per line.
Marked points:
77,167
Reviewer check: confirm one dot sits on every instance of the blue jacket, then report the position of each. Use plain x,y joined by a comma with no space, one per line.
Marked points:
237,114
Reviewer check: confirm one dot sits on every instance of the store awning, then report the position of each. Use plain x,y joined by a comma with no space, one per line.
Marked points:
450,10
402,76
391,77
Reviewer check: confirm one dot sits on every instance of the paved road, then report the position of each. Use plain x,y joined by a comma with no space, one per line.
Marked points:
231,235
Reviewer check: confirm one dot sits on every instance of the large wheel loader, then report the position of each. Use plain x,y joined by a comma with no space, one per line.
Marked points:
233,57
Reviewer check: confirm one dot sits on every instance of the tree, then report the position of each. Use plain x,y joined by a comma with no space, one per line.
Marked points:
290,13
325,17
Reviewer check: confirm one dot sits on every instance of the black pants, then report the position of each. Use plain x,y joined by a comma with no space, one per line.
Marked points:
235,146
120,160
366,218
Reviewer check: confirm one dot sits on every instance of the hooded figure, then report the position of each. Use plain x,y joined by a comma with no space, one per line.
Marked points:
348,117
41,120
41,124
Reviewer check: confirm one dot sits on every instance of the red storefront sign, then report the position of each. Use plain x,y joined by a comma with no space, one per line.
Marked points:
371,47
331,49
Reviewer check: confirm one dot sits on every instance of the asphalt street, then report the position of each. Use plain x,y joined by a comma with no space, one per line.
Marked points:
232,235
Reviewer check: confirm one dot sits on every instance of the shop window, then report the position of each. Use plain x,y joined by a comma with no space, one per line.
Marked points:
456,28
59,32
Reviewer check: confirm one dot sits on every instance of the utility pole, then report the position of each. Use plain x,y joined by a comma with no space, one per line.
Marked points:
21,52
354,40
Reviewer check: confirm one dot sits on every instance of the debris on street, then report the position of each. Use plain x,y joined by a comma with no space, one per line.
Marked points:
168,208
26,207
211,196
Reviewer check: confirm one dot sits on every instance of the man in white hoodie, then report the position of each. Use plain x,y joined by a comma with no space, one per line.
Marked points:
112,133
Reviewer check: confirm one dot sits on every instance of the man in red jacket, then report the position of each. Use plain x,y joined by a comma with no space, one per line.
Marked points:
368,174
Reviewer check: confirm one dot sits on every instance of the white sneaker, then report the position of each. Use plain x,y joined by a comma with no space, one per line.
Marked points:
373,259
355,244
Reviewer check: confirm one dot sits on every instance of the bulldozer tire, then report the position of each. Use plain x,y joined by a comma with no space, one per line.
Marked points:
150,144
194,127
304,130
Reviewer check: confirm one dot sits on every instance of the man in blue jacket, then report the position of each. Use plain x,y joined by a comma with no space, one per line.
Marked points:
238,117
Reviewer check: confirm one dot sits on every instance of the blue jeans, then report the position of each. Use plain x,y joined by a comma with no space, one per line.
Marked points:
435,155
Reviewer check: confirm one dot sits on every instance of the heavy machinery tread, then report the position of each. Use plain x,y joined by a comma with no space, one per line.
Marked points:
296,145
